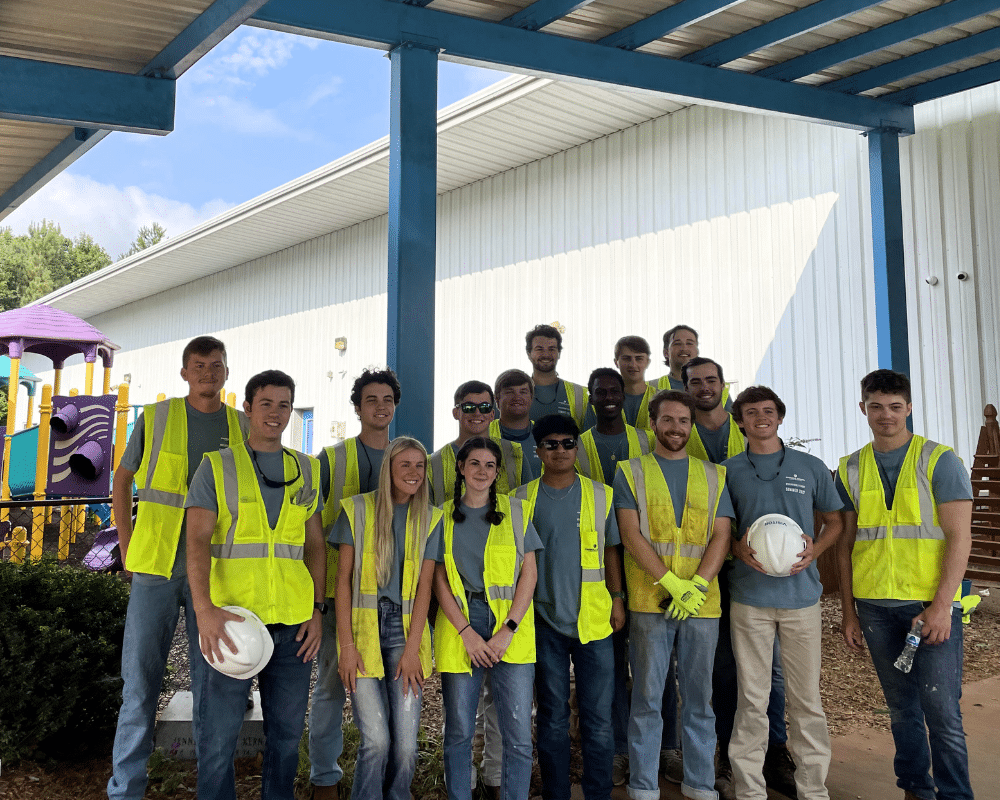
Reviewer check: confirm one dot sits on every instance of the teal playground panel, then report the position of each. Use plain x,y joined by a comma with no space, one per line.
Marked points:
23,456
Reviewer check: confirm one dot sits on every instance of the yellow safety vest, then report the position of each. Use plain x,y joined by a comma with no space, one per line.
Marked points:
162,484
588,461
577,397
664,383
594,621
502,562
364,584
680,547
735,445
441,469
899,552
345,481
642,416
253,565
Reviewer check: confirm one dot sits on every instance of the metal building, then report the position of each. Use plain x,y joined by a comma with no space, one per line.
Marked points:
609,213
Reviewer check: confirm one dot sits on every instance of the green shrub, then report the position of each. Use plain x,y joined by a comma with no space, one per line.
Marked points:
61,634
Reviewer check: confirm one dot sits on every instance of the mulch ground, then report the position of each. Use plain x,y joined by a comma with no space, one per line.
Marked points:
851,697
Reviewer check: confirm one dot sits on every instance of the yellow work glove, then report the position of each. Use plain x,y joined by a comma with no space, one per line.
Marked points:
688,596
969,604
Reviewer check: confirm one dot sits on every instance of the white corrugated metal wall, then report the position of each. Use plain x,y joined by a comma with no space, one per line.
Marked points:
755,230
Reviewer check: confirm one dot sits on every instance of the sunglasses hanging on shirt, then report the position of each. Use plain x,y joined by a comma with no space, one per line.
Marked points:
277,484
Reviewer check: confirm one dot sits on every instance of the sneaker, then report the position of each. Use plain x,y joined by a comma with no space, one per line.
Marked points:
672,765
779,771
619,769
724,781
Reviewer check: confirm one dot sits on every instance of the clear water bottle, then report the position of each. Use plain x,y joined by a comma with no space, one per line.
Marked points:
905,661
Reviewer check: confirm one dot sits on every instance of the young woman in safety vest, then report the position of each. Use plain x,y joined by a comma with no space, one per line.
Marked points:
388,539
484,582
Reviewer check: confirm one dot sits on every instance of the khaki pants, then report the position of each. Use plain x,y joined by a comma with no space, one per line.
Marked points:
800,633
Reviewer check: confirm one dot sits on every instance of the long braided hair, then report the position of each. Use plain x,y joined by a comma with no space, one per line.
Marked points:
493,515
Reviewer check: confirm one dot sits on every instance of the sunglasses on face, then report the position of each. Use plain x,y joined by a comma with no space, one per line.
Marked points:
553,444
483,408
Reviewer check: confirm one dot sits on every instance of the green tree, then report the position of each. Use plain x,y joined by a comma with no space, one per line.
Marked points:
43,260
147,236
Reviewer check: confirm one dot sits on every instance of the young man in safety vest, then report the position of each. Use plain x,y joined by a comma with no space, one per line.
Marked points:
474,409
578,603
908,504
680,345
167,444
610,440
346,469
715,435
632,360
768,478
662,500
256,541
553,395
514,392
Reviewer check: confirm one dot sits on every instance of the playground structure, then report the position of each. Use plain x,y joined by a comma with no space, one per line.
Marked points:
69,455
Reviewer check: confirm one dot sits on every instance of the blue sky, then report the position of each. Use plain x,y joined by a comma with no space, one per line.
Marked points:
259,110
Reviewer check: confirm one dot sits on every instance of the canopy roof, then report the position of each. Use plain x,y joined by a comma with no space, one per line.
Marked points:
53,333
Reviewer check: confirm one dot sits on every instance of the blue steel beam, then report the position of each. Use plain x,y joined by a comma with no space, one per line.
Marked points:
887,247
413,235
907,67
879,38
949,84
543,12
654,27
380,23
777,30
41,91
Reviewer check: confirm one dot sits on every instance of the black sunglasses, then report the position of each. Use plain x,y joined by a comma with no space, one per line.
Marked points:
272,483
553,444
468,408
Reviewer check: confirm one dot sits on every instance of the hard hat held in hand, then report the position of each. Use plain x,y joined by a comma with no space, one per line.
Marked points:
253,642
778,542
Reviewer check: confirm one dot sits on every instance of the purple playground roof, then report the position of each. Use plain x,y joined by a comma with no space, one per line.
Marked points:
53,333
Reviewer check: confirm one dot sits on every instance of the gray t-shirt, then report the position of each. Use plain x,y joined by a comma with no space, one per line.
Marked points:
201,493
549,400
675,473
557,521
716,442
631,407
950,482
803,484
531,464
469,545
206,434
393,590
610,450
369,464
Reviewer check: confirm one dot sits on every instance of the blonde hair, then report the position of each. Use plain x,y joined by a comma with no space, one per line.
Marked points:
384,544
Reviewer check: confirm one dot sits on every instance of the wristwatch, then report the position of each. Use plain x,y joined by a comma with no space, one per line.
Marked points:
511,625
617,595
322,608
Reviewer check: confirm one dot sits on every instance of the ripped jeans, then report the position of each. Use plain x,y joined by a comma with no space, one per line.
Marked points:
512,694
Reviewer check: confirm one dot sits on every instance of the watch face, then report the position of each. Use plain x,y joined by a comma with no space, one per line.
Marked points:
512,625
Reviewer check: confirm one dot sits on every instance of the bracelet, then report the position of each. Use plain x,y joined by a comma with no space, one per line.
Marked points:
464,629
617,595
347,644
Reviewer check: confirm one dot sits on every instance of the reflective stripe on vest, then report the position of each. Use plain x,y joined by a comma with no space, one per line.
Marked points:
642,415
735,444
441,468
899,552
161,483
594,620
680,547
576,399
451,653
364,582
345,481
588,460
254,565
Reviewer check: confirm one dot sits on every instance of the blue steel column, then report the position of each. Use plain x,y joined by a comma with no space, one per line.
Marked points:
887,246
412,235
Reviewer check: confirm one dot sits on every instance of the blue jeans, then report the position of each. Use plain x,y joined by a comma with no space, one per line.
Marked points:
652,639
326,715
927,696
284,698
594,669
153,609
387,719
512,688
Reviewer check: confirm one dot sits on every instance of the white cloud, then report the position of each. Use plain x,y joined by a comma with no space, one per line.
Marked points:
326,89
110,214
240,115
255,52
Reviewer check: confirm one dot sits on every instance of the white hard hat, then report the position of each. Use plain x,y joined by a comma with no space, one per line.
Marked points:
254,646
778,542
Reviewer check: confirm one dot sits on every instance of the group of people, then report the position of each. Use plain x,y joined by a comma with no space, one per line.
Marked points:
591,535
